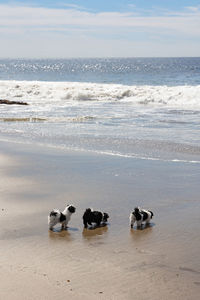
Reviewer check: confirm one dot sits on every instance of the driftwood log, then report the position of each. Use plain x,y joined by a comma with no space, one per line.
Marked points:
12,102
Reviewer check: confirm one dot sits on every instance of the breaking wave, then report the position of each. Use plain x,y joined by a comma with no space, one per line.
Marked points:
60,93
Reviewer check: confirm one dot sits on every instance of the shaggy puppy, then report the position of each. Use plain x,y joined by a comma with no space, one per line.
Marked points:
139,216
56,217
97,217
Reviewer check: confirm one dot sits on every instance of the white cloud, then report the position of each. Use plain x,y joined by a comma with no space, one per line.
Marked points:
36,16
68,27
73,6
193,8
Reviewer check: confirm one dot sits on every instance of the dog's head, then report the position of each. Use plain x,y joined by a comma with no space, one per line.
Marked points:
105,217
71,209
137,213
88,211
136,210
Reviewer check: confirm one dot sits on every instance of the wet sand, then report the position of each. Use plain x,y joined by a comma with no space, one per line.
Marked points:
111,262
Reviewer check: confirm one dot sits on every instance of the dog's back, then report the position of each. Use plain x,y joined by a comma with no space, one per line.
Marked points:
97,216
146,215
90,217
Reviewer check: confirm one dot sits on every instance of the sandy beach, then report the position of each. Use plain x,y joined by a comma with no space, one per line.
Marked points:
111,262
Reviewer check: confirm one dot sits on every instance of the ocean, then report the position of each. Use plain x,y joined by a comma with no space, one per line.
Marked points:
147,108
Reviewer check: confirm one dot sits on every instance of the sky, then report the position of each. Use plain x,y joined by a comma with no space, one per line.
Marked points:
99,28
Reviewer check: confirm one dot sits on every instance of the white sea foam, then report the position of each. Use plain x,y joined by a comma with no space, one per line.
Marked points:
61,93
150,122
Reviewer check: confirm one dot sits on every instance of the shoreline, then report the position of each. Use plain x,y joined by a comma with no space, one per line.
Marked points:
112,262
188,159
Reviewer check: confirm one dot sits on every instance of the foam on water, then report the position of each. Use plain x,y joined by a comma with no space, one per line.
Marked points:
60,93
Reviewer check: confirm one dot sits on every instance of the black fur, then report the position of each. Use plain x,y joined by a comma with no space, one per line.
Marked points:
53,213
151,213
105,217
145,215
141,215
97,217
137,214
72,209
62,217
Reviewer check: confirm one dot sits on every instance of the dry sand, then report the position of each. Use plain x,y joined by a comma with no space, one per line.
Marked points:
112,262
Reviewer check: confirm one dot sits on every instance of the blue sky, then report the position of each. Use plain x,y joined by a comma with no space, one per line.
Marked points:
111,5
112,28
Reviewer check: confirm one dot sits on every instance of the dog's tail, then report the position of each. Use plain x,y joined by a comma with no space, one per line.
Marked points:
53,213
151,214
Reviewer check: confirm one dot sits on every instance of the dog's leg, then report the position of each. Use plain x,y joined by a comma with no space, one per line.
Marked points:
52,224
148,220
64,225
148,223
132,220
132,223
139,224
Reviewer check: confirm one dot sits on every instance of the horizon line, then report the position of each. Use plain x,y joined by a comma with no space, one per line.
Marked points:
99,57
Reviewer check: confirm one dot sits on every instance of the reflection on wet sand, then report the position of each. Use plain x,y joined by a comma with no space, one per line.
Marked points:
95,232
60,234
140,234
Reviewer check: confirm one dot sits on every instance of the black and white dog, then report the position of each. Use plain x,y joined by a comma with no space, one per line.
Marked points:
139,216
97,217
56,216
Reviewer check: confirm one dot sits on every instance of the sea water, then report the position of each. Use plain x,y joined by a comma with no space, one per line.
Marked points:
147,108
